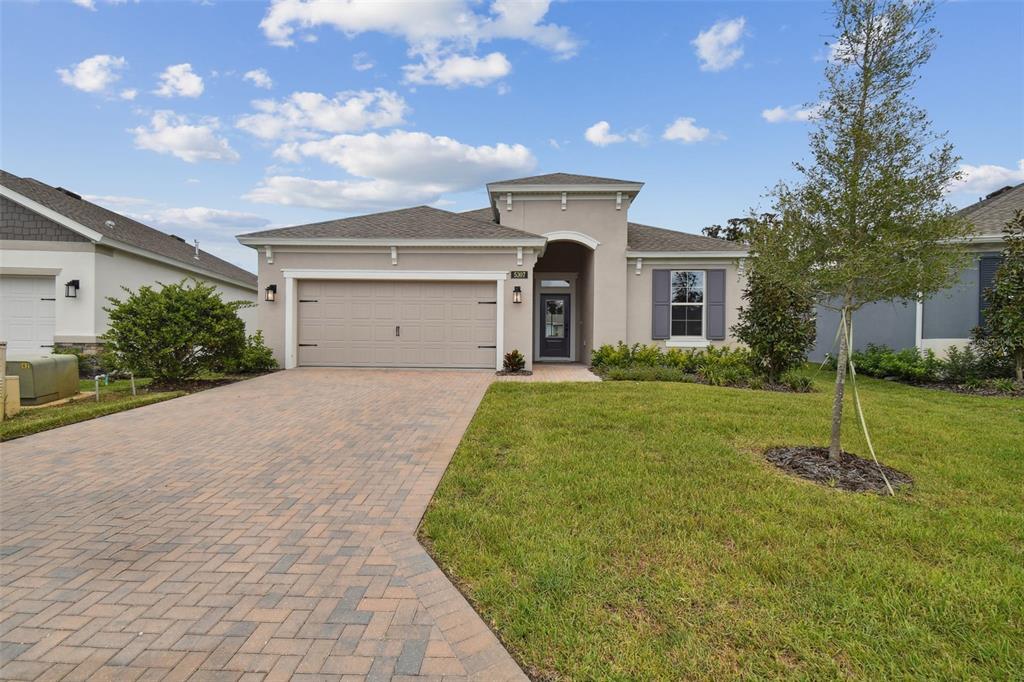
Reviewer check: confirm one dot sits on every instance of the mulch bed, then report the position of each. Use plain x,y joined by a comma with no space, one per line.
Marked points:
964,389
852,473
194,385
514,373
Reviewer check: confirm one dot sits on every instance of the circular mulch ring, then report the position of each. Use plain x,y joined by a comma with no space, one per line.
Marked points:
852,473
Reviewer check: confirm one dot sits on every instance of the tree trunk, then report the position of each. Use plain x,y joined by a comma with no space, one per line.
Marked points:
1020,368
835,447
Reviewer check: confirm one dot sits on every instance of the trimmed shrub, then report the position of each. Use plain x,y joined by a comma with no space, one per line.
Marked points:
796,382
255,357
175,333
776,324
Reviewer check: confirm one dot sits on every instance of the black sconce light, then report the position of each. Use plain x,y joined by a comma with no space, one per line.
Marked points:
271,292
517,294
71,289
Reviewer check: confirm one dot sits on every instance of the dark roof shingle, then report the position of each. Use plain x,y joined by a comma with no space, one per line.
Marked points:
418,222
990,215
646,238
564,179
124,230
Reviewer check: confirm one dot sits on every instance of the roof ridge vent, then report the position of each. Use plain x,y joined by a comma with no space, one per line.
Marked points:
71,194
180,239
998,192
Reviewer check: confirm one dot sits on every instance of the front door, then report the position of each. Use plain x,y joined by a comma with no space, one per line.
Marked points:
555,326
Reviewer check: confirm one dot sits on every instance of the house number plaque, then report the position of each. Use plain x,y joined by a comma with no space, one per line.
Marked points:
520,274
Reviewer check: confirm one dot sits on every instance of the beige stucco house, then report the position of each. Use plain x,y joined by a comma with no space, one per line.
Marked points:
551,267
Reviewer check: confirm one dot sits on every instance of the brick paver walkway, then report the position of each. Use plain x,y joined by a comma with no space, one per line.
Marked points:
262,530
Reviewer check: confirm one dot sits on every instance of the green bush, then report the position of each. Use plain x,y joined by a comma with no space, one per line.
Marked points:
175,333
794,381
642,373
513,361
684,359
255,357
908,364
776,324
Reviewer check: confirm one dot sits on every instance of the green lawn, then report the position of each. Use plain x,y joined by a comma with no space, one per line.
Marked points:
631,531
115,397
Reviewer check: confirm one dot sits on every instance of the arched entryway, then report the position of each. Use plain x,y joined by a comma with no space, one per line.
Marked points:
563,301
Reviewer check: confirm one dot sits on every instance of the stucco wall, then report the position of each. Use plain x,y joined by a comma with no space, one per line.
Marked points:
74,321
115,269
639,295
518,318
595,217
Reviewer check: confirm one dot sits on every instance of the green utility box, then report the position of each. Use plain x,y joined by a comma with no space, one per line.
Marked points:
45,378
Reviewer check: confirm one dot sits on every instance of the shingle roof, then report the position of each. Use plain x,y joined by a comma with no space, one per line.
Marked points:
564,179
484,214
646,238
125,230
419,222
991,214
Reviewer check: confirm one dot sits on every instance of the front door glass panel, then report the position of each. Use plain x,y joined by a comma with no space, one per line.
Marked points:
554,319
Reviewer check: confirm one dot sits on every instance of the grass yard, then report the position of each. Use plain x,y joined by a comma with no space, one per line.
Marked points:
631,531
115,397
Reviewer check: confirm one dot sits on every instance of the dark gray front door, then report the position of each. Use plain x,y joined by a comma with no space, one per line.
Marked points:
555,326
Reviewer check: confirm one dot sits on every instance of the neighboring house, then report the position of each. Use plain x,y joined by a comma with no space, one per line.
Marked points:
62,256
947,318
552,267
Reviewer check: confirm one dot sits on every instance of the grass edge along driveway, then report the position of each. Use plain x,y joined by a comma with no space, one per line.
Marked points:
630,531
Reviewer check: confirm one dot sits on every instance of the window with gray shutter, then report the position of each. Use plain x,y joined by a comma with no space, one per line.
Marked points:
661,303
987,267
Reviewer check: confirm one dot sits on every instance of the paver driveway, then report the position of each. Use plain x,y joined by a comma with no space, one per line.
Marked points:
263,529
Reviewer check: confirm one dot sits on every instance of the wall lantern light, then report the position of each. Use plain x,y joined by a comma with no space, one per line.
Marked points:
71,289
271,292
517,294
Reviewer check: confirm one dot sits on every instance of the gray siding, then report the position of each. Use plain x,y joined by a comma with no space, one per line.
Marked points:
19,223
890,324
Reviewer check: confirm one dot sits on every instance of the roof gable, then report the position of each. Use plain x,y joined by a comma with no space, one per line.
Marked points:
647,238
122,229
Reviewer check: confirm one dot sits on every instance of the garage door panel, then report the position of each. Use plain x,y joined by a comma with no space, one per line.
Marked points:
28,313
353,323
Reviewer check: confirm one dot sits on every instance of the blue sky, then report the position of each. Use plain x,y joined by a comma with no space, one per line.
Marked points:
209,119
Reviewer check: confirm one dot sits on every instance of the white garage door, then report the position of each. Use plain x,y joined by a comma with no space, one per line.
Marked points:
396,324
27,313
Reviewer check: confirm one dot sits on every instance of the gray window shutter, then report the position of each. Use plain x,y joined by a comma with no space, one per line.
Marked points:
661,304
987,267
716,305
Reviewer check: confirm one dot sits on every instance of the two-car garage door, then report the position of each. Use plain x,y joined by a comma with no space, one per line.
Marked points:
396,323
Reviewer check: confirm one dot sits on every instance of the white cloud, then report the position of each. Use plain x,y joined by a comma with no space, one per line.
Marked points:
95,74
424,25
201,217
305,114
601,135
362,62
795,112
260,78
396,169
128,94
981,180
686,130
171,133
456,70
87,4
717,47
180,81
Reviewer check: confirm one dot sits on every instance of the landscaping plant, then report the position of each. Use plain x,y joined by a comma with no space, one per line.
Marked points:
176,332
867,221
1003,329
514,361
776,323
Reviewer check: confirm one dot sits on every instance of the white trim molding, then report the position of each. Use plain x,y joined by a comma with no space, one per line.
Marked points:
572,236
292,275
686,254
257,241
627,187
686,343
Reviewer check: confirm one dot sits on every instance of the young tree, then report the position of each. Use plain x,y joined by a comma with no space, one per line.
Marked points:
867,221
1003,329
175,333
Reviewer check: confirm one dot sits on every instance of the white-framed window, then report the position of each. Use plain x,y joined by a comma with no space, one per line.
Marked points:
688,304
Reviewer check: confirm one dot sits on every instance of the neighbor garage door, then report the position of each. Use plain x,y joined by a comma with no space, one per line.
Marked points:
27,306
396,324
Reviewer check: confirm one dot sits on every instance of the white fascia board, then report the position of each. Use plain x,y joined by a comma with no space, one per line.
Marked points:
686,254
441,275
56,217
256,241
208,274
980,239
571,189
